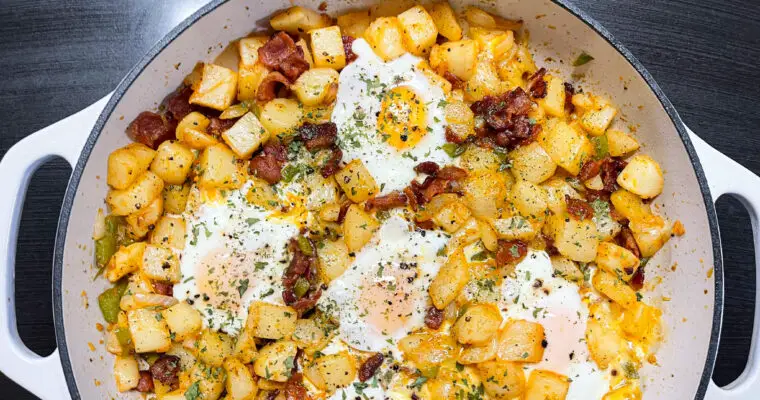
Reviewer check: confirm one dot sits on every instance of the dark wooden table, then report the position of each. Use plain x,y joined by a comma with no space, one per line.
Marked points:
59,56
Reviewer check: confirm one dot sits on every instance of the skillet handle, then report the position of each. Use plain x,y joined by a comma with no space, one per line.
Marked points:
726,176
43,376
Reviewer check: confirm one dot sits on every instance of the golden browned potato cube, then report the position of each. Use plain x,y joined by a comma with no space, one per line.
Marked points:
642,176
210,381
642,321
213,347
149,331
240,384
515,68
460,119
478,354
297,20
175,198
546,385
604,343
617,260
333,259
477,324
270,321
219,169
466,235
630,205
336,370
428,350
452,216
651,233
445,20
385,37
554,102
596,122
568,147
327,48
126,373
308,333
127,164
620,143
126,260
477,159
556,189
160,263
502,379
451,278
245,346
249,80
530,200
354,23
629,391
183,320
458,58
496,42
248,49
261,194
142,221
246,135
173,162
514,228
418,29
566,268
532,163
217,88
281,116
169,231
576,240
139,194
316,86
358,228
275,360
478,17
614,288
485,193
191,131
484,82
356,181
520,341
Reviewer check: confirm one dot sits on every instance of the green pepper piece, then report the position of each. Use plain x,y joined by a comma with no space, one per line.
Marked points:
124,338
301,287
109,301
453,150
151,357
305,245
601,146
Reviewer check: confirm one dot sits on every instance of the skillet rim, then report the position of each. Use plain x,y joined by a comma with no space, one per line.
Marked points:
137,70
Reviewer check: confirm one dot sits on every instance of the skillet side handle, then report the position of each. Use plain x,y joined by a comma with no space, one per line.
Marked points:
726,176
43,376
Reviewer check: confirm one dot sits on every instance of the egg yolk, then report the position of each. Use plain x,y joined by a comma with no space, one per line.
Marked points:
402,122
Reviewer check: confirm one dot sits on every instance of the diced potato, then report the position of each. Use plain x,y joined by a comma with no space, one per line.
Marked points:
308,333
452,216
217,88
419,30
530,201
354,23
173,162
126,373
651,233
616,260
219,169
358,228
514,69
183,320
554,102
324,191
142,221
604,342
316,86
186,357
502,379
356,181
240,384
477,324
191,131
125,261
248,49
498,43
595,122
484,82
281,116
428,350
333,259
270,321
478,17
556,189
149,331
275,360
642,321
127,164
566,268
620,143
245,346
336,370
629,391
514,228
576,240
139,194
460,119
459,58
478,354
546,385
451,278
261,194
488,236
520,341
213,347
485,193
568,147
209,381
466,235
386,38
629,205
169,232
297,20
327,48
175,198
159,263
246,135
249,80
614,288
532,163
477,159
642,176
445,20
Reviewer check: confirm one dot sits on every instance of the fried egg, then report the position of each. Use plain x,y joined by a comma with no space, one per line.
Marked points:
390,116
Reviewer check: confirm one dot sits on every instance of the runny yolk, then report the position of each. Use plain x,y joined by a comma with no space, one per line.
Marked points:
402,121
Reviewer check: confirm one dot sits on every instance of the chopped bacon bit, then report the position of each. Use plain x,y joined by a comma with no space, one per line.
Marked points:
456,83
609,173
348,43
590,169
593,195
166,370
294,65
451,172
268,87
411,197
322,6
579,209
302,266
318,136
537,84
549,245
370,366
332,165
145,384
150,129
294,388
218,126
505,119
178,103
280,53
427,167
626,239
343,211
510,252
436,187
425,225
569,92
266,167
452,137
164,288
433,318
391,200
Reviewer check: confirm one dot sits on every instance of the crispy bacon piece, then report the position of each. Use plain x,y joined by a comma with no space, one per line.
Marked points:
456,83
411,197
451,172
164,288
370,366
178,103
436,187
427,167
150,129
294,65
610,171
294,388
579,209
549,245
166,370
590,169
348,44
343,210
280,53
537,84
637,280
269,86
267,165
218,126
424,225
510,252
302,266
569,92
625,239
145,384
433,317
332,165
318,136
503,120
391,200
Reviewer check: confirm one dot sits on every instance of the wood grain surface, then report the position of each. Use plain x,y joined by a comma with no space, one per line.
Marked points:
59,56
